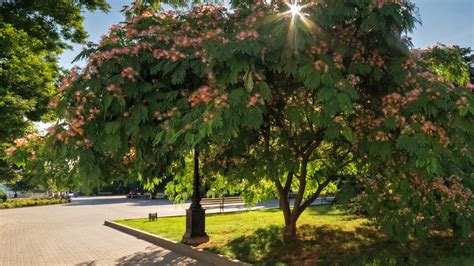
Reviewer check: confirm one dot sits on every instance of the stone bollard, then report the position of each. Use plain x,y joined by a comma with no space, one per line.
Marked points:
152,216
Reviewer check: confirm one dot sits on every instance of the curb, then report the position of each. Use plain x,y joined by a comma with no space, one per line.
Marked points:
195,253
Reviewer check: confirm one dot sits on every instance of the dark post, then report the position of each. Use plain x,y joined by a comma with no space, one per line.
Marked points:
195,216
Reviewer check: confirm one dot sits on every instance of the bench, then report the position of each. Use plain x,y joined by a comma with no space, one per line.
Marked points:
160,195
208,203
327,199
140,196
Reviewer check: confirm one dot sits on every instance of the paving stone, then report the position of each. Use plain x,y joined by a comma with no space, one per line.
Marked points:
74,234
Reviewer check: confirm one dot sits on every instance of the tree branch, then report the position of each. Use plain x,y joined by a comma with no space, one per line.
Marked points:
321,186
284,203
289,179
310,147
313,197
302,187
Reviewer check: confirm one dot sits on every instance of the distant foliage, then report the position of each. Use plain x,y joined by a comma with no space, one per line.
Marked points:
32,35
3,196
38,166
448,62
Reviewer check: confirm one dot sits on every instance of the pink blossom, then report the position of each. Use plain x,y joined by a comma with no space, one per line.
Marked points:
129,73
20,142
10,151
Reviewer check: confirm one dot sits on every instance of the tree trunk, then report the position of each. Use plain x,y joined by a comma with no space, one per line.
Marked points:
289,234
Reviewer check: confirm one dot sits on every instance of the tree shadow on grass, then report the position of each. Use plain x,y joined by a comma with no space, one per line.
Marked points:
258,247
328,245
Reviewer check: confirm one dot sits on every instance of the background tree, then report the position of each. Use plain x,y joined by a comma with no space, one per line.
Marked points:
53,23
32,35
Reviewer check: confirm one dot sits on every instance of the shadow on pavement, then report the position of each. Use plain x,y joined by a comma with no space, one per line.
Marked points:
152,256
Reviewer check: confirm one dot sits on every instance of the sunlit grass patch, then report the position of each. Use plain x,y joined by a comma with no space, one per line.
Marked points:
326,236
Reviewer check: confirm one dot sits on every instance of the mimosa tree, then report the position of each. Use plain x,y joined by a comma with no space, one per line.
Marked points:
296,96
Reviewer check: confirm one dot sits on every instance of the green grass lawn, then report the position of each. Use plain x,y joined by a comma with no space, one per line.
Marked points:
27,202
326,236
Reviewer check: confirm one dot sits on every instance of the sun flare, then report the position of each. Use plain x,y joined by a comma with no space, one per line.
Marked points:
298,15
295,9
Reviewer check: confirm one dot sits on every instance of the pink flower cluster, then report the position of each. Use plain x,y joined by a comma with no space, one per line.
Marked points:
129,73
375,59
130,157
409,63
205,94
172,54
25,142
243,35
254,100
395,101
54,102
462,102
337,59
321,48
21,142
321,66
209,116
381,3
221,102
382,136
162,116
352,79
113,89
65,83
447,190
9,151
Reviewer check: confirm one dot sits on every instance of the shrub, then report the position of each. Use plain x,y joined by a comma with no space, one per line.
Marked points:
18,203
3,196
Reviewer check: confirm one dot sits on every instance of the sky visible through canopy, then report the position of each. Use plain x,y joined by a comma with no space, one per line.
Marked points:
447,21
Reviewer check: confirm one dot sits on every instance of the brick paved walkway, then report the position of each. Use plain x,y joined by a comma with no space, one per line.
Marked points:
74,234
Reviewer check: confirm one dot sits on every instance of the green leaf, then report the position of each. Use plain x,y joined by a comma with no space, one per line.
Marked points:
345,102
295,114
113,142
107,102
112,127
254,118
347,133
178,75
333,131
248,81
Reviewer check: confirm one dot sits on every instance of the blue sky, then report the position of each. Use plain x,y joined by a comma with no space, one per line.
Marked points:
446,21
